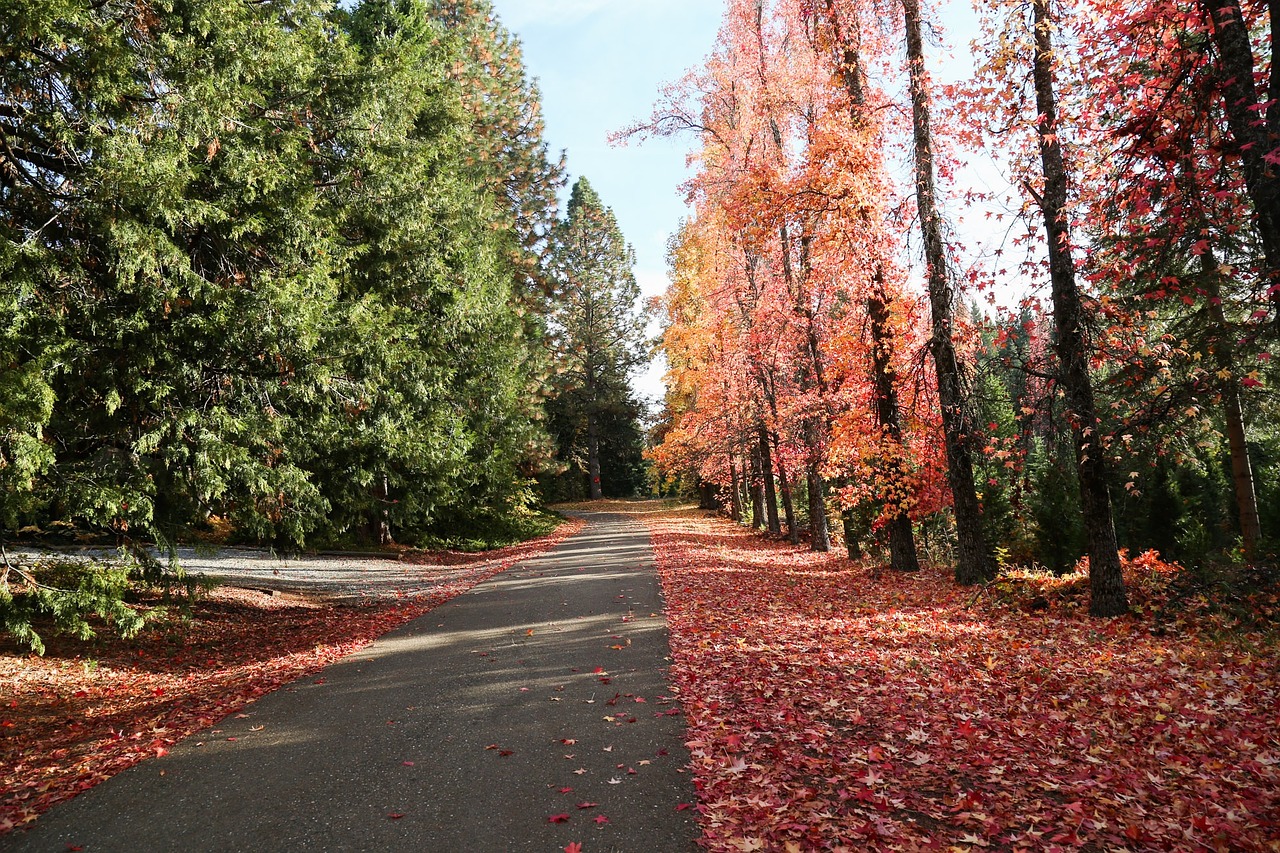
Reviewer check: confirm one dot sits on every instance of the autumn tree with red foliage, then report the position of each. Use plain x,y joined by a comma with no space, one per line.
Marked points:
1114,126
793,166
1170,212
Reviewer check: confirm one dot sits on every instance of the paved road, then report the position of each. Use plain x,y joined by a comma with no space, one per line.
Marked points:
457,732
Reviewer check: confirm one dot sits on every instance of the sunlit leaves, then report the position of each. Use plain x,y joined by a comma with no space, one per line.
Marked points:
825,703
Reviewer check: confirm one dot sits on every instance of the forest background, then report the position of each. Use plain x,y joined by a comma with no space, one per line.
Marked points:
230,306
836,349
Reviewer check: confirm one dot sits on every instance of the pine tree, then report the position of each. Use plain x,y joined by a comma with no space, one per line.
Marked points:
434,422
597,333
160,176
508,151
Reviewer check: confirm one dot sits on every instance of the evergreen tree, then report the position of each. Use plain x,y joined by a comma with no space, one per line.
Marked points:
167,269
503,108
436,418
251,268
597,333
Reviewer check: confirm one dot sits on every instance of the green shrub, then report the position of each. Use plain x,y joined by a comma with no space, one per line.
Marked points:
63,594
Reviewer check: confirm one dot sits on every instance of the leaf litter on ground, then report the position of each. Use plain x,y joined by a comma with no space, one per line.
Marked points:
831,706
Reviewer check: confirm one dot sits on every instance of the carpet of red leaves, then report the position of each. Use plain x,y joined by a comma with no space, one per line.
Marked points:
80,714
832,707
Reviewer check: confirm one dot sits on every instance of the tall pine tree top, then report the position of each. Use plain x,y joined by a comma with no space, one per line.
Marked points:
508,151
597,334
594,319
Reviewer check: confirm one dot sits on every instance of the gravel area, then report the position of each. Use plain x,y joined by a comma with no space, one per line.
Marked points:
350,577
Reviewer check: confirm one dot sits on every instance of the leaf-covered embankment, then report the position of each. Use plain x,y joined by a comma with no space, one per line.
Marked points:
833,707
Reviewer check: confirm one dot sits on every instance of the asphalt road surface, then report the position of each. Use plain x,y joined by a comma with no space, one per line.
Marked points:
528,714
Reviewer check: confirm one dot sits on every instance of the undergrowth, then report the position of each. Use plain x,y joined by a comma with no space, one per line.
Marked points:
1226,599
79,596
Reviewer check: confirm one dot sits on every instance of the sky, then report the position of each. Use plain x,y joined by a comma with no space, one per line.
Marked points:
600,66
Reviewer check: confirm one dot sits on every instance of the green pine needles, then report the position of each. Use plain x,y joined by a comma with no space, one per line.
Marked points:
267,266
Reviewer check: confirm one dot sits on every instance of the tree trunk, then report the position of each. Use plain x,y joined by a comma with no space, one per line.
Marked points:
1241,466
974,562
1254,124
379,519
757,490
902,539
1242,475
852,542
735,502
784,486
902,545
784,481
709,496
1106,581
770,490
819,536
593,457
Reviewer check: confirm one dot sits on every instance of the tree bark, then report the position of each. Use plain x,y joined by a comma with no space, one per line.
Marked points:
735,501
974,563
902,540
902,545
593,457
784,486
1106,582
852,545
819,539
784,481
1237,442
1242,474
1254,130
757,490
379,518
819,534
770,490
